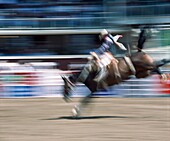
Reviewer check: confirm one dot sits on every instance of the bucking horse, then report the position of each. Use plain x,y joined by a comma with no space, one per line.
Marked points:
138,64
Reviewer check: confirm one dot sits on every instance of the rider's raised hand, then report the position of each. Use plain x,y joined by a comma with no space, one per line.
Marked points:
120,45
115,38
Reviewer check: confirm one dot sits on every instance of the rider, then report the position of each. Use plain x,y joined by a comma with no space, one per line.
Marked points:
107,41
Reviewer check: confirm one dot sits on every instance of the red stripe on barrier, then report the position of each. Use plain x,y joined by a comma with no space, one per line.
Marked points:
165,85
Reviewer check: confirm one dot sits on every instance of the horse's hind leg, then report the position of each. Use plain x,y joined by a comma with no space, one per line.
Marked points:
77,110
69,84
67,89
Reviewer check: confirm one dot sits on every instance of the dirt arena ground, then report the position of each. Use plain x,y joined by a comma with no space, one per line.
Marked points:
106,119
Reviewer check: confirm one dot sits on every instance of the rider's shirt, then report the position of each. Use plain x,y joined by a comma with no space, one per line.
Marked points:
107,43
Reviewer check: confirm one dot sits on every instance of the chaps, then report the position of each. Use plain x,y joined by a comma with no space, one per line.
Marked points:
86,71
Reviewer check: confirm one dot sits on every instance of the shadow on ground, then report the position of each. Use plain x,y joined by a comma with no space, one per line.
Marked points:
85,117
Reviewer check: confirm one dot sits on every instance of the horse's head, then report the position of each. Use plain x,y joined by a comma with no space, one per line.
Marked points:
143,63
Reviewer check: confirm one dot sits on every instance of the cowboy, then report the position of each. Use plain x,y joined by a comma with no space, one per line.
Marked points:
107,41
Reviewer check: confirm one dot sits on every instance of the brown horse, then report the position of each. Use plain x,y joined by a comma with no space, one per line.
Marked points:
139,64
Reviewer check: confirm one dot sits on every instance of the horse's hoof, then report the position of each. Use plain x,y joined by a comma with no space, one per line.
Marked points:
76,112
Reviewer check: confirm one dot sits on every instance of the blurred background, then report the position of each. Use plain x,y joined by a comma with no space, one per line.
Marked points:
41,39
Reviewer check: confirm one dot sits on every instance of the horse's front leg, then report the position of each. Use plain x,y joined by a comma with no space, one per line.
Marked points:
77,110
157,70
162,62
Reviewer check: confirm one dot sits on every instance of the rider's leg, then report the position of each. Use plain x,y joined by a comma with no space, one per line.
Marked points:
69,82
85,73
102,73
103,68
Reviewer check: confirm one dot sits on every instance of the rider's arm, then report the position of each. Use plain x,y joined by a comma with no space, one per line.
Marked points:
105,46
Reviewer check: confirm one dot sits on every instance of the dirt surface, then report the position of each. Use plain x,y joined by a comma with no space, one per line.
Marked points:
106,119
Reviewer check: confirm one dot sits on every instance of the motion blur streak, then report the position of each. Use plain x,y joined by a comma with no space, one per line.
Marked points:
41,40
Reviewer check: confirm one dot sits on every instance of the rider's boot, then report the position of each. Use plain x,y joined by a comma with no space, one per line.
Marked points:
68,87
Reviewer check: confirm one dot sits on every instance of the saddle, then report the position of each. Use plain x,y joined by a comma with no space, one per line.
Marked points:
105,58
112,67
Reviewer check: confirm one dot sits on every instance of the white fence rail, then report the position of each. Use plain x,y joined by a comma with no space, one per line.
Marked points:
48,83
